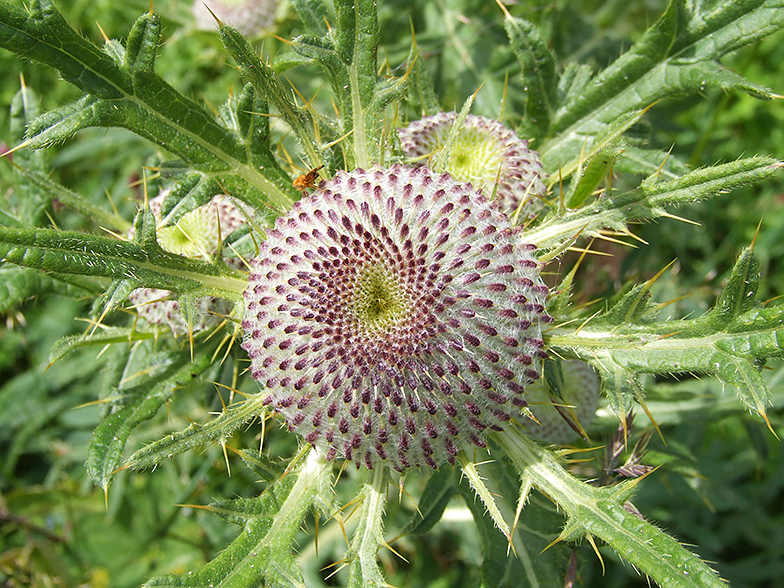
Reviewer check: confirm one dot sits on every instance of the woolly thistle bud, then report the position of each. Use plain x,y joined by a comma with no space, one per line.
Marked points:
197,235
486,153
249,17
580,401
394,316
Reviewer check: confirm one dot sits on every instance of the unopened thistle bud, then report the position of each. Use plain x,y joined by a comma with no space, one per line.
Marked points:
196,235
394,316
486,153
249,17
580,401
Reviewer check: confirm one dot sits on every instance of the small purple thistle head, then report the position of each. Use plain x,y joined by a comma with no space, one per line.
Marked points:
486,154
394,316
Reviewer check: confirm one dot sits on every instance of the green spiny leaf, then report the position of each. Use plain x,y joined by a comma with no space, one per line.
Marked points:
76,253
252,126
261,555
261,76
722,342
43,35
139,403
708,182
676,56
603,513
440,488
189,192
633,308
645,55
19,284
746,378
135,99
615,211
620,385
73,200
142,46
533,561
364,571
197,434
593,172
441,160
313,14
261,465
31,204
421,94
538,69
106,336
739,293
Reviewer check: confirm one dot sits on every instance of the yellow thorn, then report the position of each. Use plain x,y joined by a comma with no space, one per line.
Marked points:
605,237
756,233
226,455
585,322
596,550
679,218
208,9
343,564
650,282
673,301
343,530
553,542
416,506
338,140
764,415
666,157
20,146
592,252
273,35
103,34
641,402
503,9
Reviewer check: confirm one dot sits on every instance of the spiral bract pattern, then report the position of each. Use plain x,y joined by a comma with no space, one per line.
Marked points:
486,153
394,316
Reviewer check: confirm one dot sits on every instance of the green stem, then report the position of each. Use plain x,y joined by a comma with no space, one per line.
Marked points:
359,135
368,537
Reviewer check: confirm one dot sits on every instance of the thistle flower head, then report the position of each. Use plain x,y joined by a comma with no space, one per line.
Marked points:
580,401
486,153
247,16
197,235
394,316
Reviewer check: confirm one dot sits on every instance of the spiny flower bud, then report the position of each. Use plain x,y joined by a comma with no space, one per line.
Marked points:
197,235
249,17
580,398
394,316
486,153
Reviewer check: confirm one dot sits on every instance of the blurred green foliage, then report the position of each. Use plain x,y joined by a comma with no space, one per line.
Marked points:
722,482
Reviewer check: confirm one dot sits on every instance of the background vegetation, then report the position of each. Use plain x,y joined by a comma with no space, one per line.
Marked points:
722,480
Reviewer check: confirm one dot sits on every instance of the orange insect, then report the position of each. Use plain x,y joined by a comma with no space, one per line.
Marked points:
308,180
